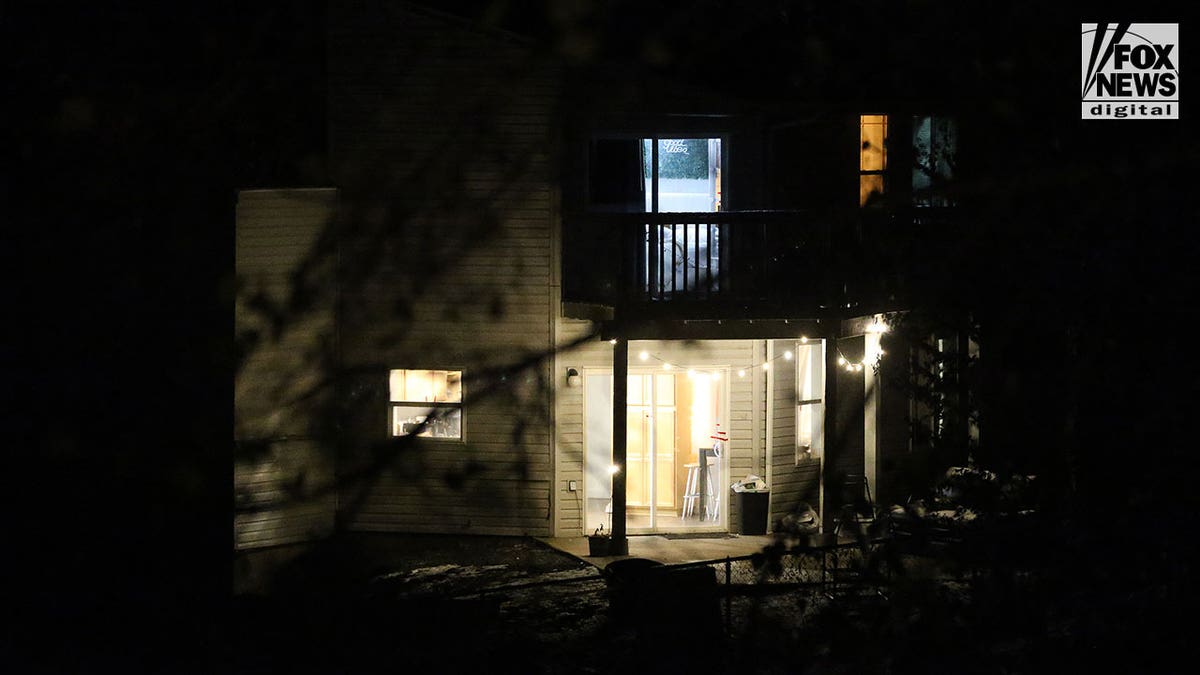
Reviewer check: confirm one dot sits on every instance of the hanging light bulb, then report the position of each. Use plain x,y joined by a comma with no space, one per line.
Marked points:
741,373
788,355
858,367
643,355
841,360
767,365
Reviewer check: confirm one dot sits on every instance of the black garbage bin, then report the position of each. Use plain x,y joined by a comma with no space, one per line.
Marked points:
753,507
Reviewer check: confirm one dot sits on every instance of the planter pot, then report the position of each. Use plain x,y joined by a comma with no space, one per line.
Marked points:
598,544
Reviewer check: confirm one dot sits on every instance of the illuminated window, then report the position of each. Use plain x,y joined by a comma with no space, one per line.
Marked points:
426,403
810,400
872,158
935,147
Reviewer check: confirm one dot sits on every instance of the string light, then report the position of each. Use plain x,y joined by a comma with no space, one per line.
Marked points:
666,366
741,373
787,355
612,341
643,355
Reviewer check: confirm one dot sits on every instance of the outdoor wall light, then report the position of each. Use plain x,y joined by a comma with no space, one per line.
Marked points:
573,379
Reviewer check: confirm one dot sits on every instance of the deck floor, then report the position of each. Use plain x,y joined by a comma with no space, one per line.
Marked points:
666,551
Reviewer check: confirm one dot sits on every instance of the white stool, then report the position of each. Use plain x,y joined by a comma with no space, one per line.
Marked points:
691,493
712,505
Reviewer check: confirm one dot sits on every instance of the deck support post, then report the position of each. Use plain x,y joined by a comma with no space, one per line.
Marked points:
619,544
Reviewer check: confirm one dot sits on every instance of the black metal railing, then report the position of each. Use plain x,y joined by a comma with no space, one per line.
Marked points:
792,259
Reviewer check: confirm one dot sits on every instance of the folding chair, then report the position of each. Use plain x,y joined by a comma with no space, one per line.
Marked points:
857,505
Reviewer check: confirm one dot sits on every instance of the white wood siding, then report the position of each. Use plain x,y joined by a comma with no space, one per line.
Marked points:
791,483
282,476
445,137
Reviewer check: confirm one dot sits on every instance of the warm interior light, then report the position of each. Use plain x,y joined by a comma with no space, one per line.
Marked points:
741,373
787,355
841,360
643,355
766,366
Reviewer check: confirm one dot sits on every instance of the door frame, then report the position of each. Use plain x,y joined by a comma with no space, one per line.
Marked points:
720,526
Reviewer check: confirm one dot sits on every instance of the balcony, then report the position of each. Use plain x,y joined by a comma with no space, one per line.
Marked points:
752,264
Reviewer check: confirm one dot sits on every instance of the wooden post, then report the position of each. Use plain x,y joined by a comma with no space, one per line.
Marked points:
619,544
832,436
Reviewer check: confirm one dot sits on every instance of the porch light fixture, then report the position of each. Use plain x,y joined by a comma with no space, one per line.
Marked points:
573,379
643,355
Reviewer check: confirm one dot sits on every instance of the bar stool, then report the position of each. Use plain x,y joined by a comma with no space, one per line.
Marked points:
712,502
691,493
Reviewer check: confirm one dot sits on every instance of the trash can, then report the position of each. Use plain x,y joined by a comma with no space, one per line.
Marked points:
752,504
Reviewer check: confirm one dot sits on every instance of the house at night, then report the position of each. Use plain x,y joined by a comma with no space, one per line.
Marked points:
537,287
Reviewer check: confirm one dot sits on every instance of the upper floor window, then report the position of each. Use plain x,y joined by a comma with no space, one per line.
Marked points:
935,149
872,158
426,403
687,176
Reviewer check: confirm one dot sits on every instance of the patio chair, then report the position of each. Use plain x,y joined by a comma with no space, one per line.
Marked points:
857,506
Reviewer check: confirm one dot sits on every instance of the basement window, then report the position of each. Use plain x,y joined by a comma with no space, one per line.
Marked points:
426,403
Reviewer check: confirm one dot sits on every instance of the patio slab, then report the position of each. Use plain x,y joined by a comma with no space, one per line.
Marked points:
666,550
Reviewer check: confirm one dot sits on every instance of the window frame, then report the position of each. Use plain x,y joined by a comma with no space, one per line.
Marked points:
865,200
430,406
935,192
816,449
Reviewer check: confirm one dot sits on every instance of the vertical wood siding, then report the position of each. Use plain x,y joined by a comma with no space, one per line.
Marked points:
443,139
282,475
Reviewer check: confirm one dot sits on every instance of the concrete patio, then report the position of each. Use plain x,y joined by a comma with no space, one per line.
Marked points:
667,550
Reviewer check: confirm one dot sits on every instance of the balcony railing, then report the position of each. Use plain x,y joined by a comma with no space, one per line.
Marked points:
746,259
